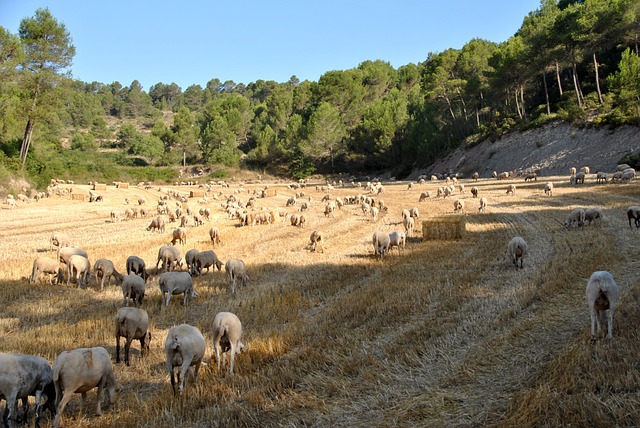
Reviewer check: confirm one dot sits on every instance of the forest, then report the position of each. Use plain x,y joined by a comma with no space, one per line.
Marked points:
571,60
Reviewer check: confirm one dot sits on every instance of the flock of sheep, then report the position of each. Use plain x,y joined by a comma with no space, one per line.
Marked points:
80,370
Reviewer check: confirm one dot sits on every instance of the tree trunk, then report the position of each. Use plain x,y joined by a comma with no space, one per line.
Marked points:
575,84
595,65
26,140
524,110
546,92
558,77
518,103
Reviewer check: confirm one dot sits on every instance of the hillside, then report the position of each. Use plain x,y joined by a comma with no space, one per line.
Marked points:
550,150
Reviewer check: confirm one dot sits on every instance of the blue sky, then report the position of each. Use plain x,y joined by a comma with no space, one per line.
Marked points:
192,42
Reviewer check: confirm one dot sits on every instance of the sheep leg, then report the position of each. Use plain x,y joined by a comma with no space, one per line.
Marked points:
99,398
117,348
232,357
11,411
196,369
127,346
216,346
63,403
173,382
609,315
183,376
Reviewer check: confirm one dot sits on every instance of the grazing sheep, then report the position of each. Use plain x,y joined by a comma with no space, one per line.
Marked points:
409,225
45,264
214,234
374,211
65,253
184,347
81,267
511,189
474,191
104,269
483,205
133,288
413,212
21,376
475,176
397,239
190,260
592,214
170,257
405,214
227,331
59,239
548,189
503,175
137,266
316,238
132,323
531,176
382,242
458,205
577,178
157,224
602,300
424,195
494,174
601,177
517,248
633,212
179,234
206,259
628,175
573,170
585,169
172,283
237,272
297,220
79,371
575,217
328,209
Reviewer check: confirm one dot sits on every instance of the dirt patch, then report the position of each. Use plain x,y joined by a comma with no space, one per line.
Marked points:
551,150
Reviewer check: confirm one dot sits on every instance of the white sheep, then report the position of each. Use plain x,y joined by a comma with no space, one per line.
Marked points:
576,217
79,371
205,260
81,267
104,269
483,205
601,177
511,188
424,195
21,376
474,191
548,189
172,283
44,264
633,212
137,266
179,234
59,240
409,225
592,214
214,234
602,300
170,257
517,248
382,242
458,205
397,239
133,288
237,271
227,331
184,347
316,238
132,323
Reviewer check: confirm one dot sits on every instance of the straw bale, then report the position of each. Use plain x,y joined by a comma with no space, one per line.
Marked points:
271,192
123,185
196,194
77,196
443,228
99,186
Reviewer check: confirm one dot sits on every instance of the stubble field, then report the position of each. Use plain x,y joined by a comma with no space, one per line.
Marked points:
449,333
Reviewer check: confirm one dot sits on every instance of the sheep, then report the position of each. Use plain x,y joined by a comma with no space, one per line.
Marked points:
79,371
184,347
170,257
132,323
382,242
65,253
548,189
190,260
633,212
21,376
573,170
137,266
205,260
474,191
511,188
45,264
409,225
179,234
59,239
214,234
413,212
483,205
237,271
531,176
458,205
104,269
133,288
601,177
316,238
405,214
585,169
424,195
176,283
517,248
227,331
373,211
297,220
592,214
157,224
503,175
628,175
602,300
575,217
577,178
475,176
397,239
81,267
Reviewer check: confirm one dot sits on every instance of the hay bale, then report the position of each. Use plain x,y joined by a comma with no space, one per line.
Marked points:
123,185
196,194
443,228
77,196
99,186
270,192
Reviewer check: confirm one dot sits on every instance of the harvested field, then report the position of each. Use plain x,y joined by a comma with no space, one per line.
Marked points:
448,333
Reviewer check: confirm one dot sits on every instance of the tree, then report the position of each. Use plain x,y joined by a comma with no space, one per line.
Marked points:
625,84
48,51
325,133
